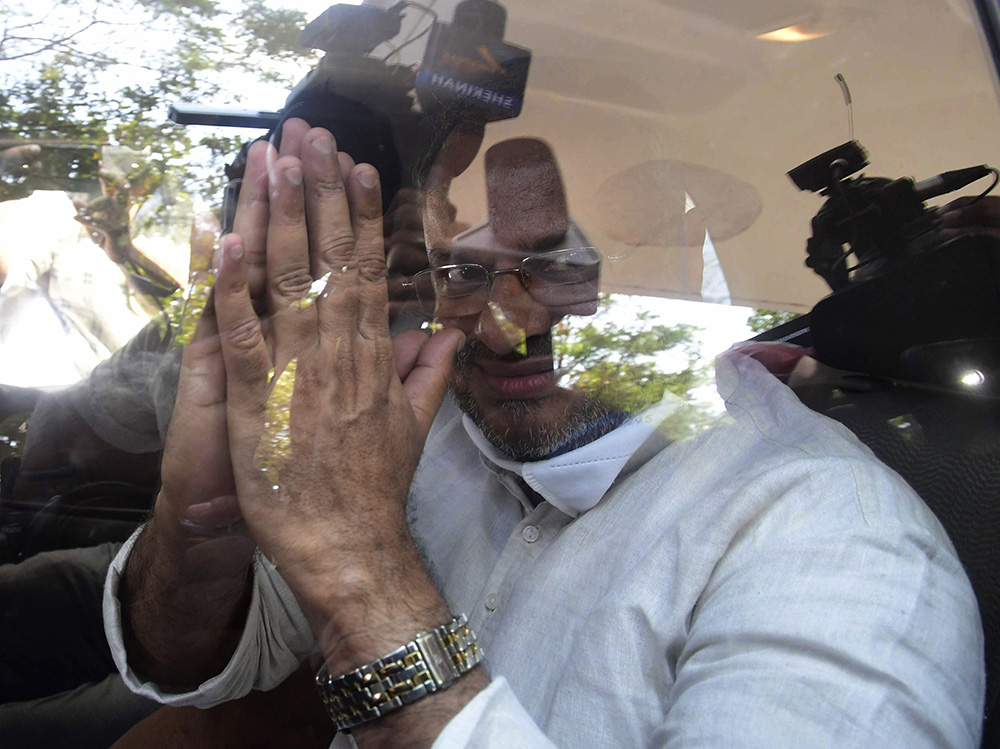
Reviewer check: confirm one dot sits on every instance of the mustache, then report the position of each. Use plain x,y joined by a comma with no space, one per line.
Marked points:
536,346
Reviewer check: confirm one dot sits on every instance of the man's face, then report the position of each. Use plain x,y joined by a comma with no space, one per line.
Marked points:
505,377
515,399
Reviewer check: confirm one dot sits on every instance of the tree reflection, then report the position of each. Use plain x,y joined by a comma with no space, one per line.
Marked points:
629,361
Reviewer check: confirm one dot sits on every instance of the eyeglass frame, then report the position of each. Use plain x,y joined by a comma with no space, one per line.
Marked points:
492,274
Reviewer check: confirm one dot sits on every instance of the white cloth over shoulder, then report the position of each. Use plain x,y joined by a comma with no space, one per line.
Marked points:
767,584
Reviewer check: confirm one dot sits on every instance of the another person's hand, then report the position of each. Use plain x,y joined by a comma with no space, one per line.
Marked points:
108,219
16,164
780,359
191,565
793,365
968,216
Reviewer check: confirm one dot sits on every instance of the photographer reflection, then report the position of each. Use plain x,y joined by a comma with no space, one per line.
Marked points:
405,253
624,590
66,300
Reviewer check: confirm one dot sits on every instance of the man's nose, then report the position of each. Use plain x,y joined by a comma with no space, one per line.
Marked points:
512,315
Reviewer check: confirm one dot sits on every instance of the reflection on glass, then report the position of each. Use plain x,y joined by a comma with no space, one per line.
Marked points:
593,488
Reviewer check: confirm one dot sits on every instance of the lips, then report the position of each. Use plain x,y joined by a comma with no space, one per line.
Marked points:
525,378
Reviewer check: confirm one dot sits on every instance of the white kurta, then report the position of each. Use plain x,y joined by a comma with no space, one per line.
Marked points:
768,584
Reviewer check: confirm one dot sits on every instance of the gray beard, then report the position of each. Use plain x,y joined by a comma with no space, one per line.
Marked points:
531,442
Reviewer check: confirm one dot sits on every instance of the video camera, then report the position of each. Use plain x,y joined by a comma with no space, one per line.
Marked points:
911,307
395,117
881,220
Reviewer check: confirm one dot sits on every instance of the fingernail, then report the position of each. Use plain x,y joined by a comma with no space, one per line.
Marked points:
294,175
323,144
200,510
232,249
368,178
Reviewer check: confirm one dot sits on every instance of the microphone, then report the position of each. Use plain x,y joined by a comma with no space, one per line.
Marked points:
468,64
949,181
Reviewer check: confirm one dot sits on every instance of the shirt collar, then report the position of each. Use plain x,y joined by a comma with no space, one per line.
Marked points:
575,481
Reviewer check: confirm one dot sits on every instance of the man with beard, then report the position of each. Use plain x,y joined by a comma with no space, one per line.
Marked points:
504,377
769,583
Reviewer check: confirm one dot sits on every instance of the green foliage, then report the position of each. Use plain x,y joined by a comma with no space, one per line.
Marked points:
188,8
275,446
105,71
765,319
621,362
273,32
183,309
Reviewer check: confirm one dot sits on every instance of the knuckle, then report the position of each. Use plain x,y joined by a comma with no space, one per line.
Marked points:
371,269
243,336
327,185
369,214
336,247
293,283
368,223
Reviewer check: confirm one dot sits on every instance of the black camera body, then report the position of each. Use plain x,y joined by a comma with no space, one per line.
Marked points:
395,117
912,307
881,220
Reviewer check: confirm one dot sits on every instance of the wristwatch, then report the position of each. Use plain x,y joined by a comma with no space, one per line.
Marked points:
431,661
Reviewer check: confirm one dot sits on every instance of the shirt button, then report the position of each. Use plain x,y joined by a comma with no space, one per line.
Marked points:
492,602
530,534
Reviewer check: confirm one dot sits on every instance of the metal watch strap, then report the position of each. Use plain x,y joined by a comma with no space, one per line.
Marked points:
426,664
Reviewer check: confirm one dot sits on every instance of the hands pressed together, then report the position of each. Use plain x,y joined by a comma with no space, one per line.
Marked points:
360,411
300,293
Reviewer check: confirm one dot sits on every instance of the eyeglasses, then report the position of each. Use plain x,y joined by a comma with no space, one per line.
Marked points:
567,280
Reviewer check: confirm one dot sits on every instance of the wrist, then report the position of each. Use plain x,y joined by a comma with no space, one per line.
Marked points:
193,552
180,624
361,606
430,662
119,245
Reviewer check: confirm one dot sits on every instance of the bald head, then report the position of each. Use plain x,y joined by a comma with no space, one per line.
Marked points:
525,193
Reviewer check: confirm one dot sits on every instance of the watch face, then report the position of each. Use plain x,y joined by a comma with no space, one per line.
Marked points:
442,668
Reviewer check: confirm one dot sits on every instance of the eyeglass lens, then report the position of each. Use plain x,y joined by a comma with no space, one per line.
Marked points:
559,279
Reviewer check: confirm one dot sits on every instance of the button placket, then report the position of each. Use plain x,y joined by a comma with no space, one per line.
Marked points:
526,542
